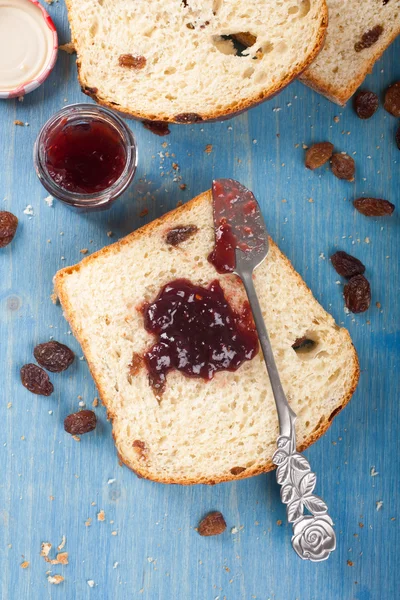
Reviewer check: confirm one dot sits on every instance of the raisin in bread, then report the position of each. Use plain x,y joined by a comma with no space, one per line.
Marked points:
202,431
359,32
176,61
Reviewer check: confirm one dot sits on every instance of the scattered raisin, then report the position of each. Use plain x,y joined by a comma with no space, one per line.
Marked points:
366,104
318,154
8,227
369,38
212,524
398,137
357,294
180,234
374,207
158,127
53,356
80,422
188,118
346,265
392,99
132,62
36,380
343,166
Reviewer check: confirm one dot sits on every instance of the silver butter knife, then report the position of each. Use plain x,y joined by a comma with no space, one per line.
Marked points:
241,246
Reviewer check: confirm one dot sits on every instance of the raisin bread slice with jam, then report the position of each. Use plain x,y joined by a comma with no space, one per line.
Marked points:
359,32
176,60
201,431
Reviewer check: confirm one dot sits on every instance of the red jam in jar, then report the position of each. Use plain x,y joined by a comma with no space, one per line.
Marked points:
197,332
85,156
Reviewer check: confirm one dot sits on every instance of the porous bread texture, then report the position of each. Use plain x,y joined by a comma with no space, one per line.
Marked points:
202,432
339,70
190,69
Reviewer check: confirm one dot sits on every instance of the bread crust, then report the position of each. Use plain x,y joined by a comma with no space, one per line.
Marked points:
228,112
341,95
147,230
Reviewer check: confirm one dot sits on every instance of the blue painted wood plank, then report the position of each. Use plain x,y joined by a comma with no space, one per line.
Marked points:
51,485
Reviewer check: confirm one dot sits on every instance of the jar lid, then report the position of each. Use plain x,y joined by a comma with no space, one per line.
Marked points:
28,46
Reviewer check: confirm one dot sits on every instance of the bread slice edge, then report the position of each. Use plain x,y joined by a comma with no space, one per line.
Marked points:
227,112
68,311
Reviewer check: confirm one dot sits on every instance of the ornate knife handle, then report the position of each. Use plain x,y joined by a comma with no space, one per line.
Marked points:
313,535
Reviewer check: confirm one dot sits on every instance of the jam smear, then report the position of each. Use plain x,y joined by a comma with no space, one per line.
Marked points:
85,156
198,333
238,224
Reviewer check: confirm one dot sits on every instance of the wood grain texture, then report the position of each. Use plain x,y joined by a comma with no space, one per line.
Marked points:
159,554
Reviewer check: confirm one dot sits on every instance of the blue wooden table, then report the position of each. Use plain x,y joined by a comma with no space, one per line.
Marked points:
146,547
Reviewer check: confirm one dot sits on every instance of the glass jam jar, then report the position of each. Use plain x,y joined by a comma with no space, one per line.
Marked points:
85,156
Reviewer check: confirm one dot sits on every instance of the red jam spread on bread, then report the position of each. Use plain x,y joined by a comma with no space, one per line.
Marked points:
85,157
237,222
197,332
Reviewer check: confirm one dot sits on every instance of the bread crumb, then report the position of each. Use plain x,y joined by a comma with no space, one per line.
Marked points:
183,186
378,305
91,583
373,473
110,233
115,565
361,525
111,481
95,402
350,563
51,497
379,504
175,166
9,405
49,1
69,48
336,119
114,533
24,565
367,240
62,544
179,203
19,123
62,558
101,516
46,547
28,210
84,251
305,147
49,201
56,579
88,522
208,149
234,530
76,438
144,212
279,522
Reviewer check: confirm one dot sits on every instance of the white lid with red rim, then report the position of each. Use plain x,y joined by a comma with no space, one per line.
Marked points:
28,46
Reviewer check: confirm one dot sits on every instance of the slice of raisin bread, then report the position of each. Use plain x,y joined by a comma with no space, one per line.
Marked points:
176,61
202,431
359,32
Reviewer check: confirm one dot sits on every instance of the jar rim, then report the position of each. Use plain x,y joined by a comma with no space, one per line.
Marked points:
110,193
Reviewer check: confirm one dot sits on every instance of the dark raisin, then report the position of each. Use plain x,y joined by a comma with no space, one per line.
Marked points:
212,524
343,166
366,104
357,294
303,343
180,234
369,38
237,470
53,356
318,154
374,207
392,99
132,62
158,127
188,118
36,380
346,265
80,422
398,137
8,227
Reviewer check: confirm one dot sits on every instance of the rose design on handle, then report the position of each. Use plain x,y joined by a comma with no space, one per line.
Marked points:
313,535
314,538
